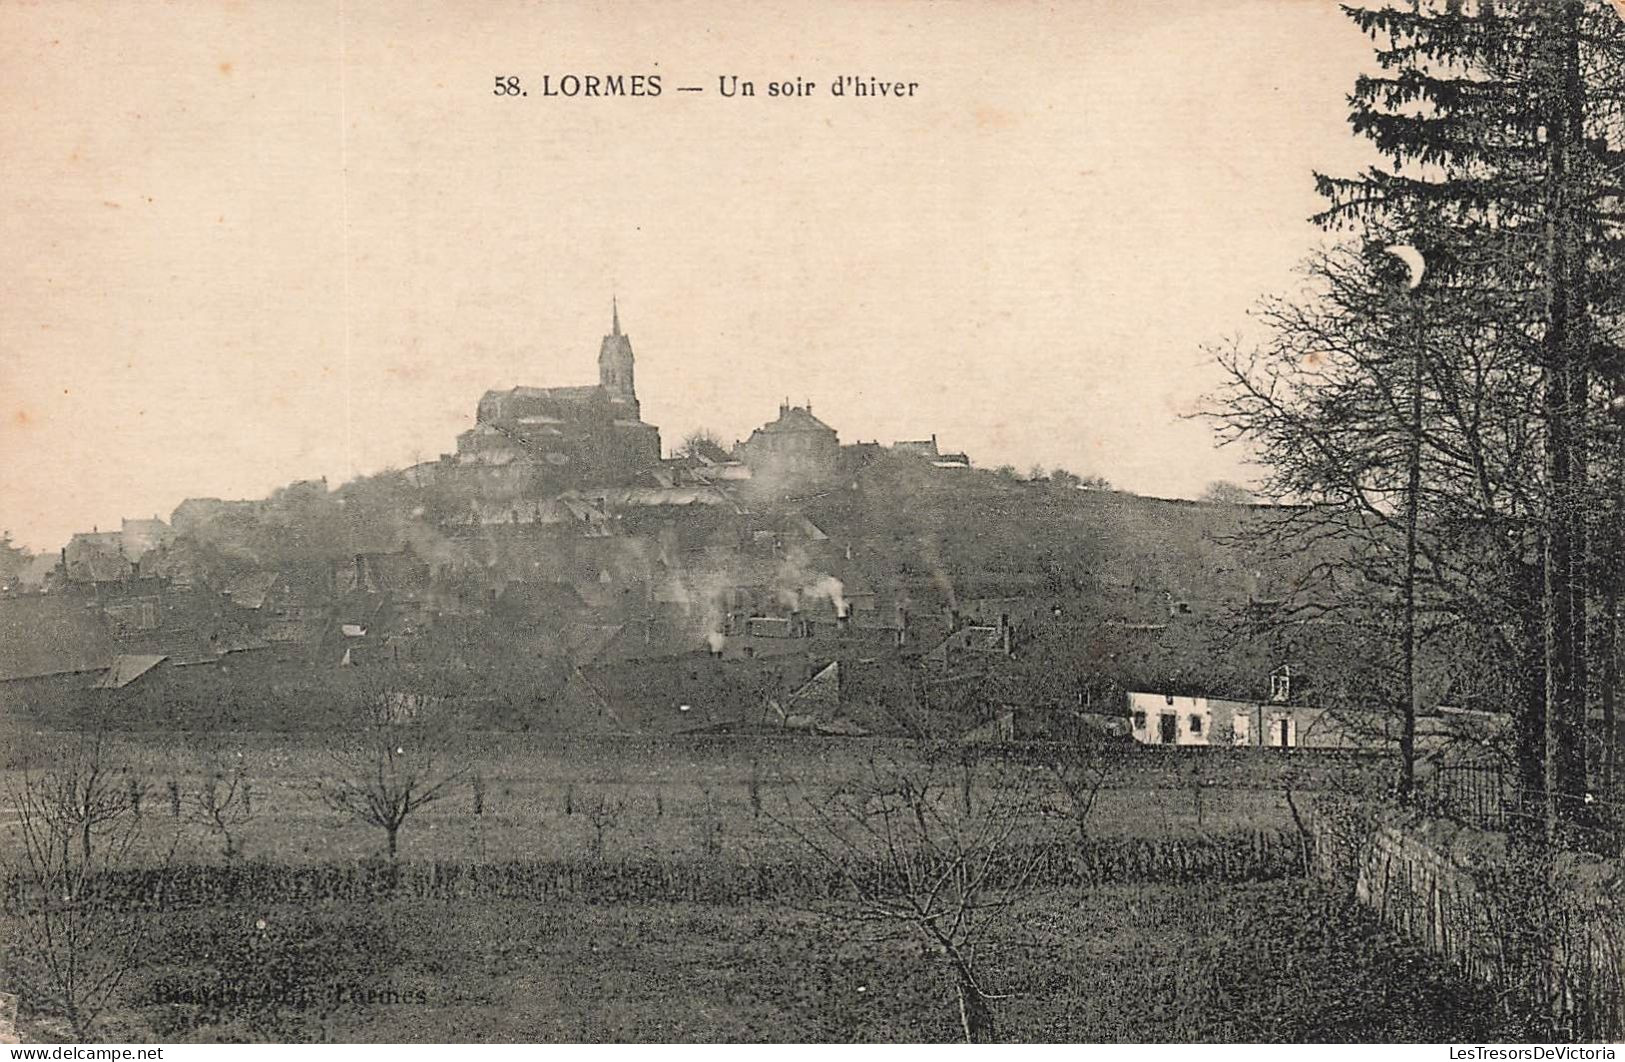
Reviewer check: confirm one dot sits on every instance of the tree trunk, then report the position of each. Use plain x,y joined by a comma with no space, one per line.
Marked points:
1610,573
1529,733
1407,732
975,1019
394,833
1566,393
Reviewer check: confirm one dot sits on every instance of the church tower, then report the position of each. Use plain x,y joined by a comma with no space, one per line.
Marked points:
615,364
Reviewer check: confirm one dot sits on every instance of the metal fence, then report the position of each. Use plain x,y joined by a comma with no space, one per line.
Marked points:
1477,795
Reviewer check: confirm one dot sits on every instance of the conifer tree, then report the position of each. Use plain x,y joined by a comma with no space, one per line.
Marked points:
1503,126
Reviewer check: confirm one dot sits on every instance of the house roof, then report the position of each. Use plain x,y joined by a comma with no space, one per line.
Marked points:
382,572
820,696
570,402
620,497
795,419
972,638
51,634
250,589
108,540
125,670
586,642
575,393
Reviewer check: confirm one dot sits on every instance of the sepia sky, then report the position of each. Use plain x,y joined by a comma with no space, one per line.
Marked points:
247,243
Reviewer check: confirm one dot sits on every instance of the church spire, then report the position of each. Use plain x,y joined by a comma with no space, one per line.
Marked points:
615,368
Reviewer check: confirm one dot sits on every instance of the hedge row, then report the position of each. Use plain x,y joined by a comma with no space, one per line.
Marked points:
1238,856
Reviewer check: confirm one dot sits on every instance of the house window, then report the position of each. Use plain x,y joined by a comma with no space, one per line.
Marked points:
1139,720
1281,684
1196,724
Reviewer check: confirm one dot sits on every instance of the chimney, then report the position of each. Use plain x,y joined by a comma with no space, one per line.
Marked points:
843,616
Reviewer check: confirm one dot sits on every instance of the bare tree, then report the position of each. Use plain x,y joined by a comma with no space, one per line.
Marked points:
1062,479
393,761
710,826
703,442
222,804
1224,492
1414,471
915,860
1081,769
73,943
603,815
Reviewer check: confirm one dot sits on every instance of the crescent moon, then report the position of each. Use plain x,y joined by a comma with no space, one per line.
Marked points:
1413,261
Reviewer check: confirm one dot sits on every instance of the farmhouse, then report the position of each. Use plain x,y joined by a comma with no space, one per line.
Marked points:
1278,720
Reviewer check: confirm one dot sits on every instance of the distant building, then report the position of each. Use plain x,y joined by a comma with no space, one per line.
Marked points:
972,641
795,448
1168,719
578,434
113,556
919,448
1172,719
96,557
1278,717
927,448
198,514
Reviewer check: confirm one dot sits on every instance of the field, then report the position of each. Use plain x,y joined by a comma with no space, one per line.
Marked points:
672,798
658,891
1272,961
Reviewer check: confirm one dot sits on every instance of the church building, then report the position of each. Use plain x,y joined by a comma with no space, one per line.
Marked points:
591,433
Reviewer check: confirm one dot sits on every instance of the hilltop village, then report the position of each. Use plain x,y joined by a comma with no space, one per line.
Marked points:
559,571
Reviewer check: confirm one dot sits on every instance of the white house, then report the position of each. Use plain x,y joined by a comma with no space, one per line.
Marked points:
1167,719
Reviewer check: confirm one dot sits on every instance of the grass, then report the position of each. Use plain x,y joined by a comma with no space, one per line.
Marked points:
1197,960
678,798
1129,963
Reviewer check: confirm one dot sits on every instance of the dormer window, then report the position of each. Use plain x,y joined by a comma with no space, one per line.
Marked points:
1281,684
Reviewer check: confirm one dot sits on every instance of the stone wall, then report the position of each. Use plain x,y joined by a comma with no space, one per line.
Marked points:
1545,932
